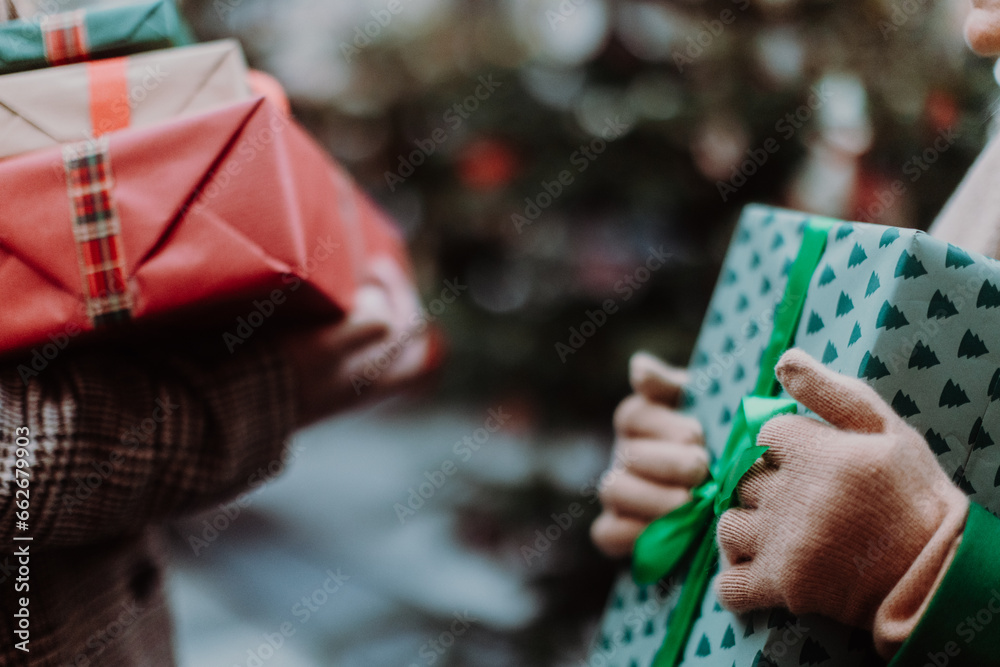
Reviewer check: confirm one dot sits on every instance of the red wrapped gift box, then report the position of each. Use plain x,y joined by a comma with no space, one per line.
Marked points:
188,222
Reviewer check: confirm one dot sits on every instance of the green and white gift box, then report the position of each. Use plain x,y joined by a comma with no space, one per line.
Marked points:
913,316
99,32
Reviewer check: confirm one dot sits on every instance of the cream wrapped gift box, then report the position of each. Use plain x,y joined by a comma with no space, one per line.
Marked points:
58,105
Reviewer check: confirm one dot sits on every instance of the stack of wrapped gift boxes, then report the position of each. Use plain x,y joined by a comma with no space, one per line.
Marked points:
143,182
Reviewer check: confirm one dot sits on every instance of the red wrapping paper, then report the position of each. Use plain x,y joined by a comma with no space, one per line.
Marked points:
215,211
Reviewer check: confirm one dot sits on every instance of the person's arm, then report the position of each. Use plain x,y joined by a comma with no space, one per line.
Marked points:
123,437
971,218
118,439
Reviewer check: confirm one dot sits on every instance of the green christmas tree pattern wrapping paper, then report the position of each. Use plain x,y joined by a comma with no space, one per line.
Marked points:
915,318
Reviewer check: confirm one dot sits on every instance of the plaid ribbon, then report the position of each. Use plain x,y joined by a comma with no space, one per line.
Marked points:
97,230
65,37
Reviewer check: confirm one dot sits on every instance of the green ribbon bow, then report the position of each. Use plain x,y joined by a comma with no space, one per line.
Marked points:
688,533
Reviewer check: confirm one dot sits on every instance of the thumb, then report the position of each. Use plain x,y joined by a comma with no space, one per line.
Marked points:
655,379
844,402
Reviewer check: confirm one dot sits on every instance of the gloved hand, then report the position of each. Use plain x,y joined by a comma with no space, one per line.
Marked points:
853,519
659,455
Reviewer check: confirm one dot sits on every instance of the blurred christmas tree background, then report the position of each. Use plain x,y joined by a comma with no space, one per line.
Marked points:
699,89
541,153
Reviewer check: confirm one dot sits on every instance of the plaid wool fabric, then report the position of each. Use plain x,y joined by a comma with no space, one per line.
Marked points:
97,229
65,37
121,440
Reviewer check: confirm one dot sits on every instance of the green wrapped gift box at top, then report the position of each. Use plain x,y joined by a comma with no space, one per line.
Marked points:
912,316
107,32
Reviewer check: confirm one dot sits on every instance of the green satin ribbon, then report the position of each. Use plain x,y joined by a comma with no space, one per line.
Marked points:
688,533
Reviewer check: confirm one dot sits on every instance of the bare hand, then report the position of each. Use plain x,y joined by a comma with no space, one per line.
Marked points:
384,345
659,455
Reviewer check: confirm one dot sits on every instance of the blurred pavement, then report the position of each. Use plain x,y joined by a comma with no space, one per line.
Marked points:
329,564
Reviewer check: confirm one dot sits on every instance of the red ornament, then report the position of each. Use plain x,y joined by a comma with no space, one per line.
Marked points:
487,164
941,109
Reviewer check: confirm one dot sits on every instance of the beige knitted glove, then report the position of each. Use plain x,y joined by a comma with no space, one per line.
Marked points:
659,456
853,519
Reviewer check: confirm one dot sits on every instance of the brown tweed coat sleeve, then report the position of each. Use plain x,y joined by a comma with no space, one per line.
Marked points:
118,441
122,439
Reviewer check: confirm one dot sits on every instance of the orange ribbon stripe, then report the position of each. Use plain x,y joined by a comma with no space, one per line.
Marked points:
109,98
